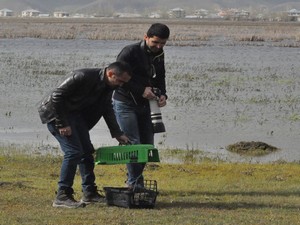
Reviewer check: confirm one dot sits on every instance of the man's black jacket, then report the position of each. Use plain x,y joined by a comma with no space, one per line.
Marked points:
148,70
84,92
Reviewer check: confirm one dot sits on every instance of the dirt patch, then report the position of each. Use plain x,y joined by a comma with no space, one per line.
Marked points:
254,148
18,184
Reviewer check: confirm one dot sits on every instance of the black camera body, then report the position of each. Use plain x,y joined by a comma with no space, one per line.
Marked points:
156,117
157,92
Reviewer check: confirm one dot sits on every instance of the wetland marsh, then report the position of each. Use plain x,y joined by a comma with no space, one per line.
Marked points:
221,89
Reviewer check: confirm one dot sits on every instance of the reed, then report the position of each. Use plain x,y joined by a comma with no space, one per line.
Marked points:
184,32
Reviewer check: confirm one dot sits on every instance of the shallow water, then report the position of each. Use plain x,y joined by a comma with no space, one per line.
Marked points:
219,93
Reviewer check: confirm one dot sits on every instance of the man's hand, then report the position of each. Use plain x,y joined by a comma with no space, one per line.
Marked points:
148,94
65,131
123,139
162,101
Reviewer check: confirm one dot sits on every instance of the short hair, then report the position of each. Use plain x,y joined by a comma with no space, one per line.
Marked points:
120,67
160,30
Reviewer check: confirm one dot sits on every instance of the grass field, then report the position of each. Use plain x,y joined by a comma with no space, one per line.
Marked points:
204,193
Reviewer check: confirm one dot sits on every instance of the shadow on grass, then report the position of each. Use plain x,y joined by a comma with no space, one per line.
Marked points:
217,204
234,193
18,184
220,205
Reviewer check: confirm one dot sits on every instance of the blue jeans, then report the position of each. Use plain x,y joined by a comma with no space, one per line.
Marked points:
78,150
135,122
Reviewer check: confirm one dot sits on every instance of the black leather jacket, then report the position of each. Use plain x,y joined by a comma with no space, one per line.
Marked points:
148,70
84,92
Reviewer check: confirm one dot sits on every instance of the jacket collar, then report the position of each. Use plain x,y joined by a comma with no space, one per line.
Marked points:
145,48
103,78
101,74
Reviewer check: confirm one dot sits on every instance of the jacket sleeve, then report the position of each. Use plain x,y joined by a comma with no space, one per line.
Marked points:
134,85
159,81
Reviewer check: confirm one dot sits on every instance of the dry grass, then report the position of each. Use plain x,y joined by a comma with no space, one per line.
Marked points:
183,32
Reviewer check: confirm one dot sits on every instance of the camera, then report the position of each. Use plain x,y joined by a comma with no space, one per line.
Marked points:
156,117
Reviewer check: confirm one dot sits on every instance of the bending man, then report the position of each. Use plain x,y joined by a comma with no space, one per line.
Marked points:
70,112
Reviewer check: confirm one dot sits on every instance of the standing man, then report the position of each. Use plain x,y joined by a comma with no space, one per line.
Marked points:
70,112
131,101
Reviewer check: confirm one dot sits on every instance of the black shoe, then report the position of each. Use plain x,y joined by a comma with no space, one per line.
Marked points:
92,197
64,198
135,187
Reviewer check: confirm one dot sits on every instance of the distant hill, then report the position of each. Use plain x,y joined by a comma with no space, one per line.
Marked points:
98,6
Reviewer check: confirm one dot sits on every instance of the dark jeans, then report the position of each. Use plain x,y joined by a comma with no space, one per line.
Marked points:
135,122
78,150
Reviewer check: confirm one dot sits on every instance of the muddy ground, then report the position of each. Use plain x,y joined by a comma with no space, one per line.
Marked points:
220,92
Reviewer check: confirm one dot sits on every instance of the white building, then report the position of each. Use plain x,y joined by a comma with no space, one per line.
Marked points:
201,13
155,15
6,12
30,13
127,15
234,14
61,14
294,14
44,15
177,13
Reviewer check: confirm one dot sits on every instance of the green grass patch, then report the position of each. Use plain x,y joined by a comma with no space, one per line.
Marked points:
294,117
208,192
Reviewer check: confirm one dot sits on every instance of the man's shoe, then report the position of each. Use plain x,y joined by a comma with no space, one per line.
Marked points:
92,197
65,199
136,187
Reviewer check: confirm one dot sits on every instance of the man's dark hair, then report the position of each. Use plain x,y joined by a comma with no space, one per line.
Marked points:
160,30
120,67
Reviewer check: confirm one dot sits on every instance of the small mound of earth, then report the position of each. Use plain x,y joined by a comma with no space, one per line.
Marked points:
253,148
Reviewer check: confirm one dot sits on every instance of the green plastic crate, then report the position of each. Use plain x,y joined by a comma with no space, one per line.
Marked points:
139,153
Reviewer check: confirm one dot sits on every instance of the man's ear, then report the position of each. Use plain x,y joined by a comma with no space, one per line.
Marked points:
110,73
145,36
